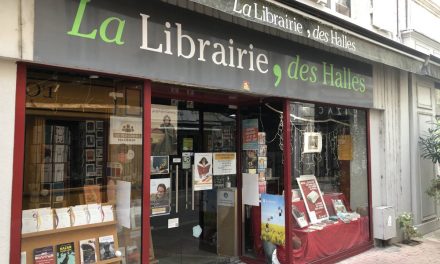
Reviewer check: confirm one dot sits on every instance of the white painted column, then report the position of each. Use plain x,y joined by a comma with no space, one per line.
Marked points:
8,75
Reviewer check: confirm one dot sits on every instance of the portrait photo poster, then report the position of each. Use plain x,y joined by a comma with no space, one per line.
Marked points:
202,176
160,198
163,130
312,142
313,199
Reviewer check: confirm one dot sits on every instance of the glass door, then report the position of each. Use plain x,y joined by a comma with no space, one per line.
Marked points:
193,160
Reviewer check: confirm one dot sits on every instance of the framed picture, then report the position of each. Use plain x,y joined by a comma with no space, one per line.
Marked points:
99,153
98,180
99,126
312,142
90,170
90,141
99,162
98,171
89,181
90,155
99,142
99,134
90,126
160,165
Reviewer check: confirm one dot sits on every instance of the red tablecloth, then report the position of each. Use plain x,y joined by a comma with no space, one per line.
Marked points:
321,243
331,240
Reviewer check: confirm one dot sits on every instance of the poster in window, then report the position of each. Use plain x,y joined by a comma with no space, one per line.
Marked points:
187,144
313,200
202,176
225,163
345,147
250,134
163,130
160,196
272,218
125,130
312,142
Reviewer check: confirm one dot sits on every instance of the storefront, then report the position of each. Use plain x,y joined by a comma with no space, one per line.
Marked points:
149,136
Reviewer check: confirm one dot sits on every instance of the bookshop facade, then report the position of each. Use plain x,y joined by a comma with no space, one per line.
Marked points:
151,137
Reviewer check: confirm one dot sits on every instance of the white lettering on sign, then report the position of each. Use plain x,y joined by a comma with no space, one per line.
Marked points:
187,48
286,22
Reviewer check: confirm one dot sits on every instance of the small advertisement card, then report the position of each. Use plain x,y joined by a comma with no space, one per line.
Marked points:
225,163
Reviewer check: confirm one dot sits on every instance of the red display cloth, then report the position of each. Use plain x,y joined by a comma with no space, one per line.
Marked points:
321,243
329,241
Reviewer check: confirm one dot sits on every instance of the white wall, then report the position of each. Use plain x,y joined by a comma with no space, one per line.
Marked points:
10,32
8,71
423,21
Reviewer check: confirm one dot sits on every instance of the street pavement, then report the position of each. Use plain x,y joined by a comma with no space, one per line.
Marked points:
426,252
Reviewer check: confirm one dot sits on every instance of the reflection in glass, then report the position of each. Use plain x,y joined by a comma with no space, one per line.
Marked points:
82,181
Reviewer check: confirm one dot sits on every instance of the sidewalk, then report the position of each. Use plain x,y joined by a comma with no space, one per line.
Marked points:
426,252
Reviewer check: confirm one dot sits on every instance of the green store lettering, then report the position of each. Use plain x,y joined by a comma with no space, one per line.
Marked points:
330,76
117,38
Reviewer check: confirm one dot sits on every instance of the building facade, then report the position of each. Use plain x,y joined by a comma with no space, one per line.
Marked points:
182,131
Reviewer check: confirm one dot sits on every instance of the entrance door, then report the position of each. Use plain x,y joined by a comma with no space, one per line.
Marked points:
186,138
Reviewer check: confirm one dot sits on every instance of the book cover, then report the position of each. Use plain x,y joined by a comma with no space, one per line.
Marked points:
262,150
88,251
261,138
106,247
95,213
44,255
339,206
251,159
262,163
62,217
66,253
107,213
29,221
45,219
299,217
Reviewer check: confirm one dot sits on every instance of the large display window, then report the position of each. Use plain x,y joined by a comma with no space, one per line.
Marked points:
329,181
82,182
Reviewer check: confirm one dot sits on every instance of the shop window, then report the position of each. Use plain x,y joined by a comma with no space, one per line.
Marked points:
82,182
329,180
263,180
